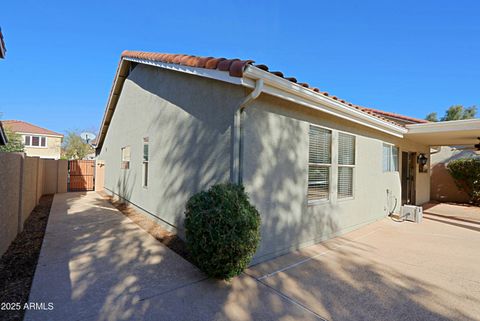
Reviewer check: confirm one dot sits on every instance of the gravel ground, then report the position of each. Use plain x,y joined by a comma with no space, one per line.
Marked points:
18,263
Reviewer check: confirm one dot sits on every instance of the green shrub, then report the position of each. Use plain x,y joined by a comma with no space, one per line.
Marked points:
466,172
222,230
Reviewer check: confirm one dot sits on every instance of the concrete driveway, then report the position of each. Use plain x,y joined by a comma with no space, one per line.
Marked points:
389,270
96,264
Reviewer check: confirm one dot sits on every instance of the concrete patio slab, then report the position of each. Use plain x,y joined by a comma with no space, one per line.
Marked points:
96,264
386,271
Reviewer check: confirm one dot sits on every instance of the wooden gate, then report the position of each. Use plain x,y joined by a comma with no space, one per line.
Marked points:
81,175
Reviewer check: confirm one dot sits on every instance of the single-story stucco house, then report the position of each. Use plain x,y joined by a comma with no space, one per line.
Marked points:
38,141
314,165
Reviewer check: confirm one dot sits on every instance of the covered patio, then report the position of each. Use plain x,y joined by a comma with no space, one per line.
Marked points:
446,133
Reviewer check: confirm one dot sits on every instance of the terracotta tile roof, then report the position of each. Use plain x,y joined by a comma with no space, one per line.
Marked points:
394,115
236,67
19,126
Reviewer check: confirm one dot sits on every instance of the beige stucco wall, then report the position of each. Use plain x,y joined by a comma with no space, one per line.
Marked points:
188,120
23,180
443,186
276,176
52,150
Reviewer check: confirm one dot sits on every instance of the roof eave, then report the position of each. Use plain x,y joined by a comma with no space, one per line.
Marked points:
288,90
443,126
42,134
274,85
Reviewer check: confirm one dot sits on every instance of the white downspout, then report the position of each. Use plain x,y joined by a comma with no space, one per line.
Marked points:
238,131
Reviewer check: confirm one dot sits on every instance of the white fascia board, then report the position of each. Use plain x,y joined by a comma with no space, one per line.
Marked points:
445,126
37,134
208,73
296,93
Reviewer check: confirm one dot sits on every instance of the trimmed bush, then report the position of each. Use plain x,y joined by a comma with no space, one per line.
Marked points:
466,172
222,230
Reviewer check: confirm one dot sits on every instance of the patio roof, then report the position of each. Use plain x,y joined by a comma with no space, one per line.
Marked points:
447,133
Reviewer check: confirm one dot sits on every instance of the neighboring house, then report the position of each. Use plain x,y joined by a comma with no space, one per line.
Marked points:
3,49
3,136
442,186
38,141
314,165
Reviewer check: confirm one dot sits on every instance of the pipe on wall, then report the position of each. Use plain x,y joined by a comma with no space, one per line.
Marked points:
238,131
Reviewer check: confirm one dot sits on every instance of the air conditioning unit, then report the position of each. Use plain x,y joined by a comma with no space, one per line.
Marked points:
412,213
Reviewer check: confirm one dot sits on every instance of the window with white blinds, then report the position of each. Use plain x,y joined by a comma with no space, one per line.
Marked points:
346,164
319,163
390,158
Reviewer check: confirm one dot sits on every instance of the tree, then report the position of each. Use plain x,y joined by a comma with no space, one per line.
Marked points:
432,117
15,142
470,112
466,172
455,112
74,147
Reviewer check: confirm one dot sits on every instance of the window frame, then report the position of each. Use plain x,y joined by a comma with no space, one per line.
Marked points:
145,162
333,172
125,164
30,139
320,165
354,171
391,168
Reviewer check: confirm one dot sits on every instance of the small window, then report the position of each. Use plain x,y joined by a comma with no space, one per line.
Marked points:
35,141
319,163
145,162
390,158
346,165
125,157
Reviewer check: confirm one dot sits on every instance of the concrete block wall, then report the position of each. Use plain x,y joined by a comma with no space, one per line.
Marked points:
10,184
23,181
443,186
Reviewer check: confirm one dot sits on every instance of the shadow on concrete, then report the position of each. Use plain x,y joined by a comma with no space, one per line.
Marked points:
345,283
98,265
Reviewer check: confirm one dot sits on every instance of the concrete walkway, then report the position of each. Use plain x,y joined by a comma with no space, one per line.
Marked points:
96,264
389,270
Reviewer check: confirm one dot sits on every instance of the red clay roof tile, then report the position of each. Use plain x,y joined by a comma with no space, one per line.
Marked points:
19,126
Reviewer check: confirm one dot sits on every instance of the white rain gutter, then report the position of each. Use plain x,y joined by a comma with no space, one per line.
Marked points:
287,90
238,131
